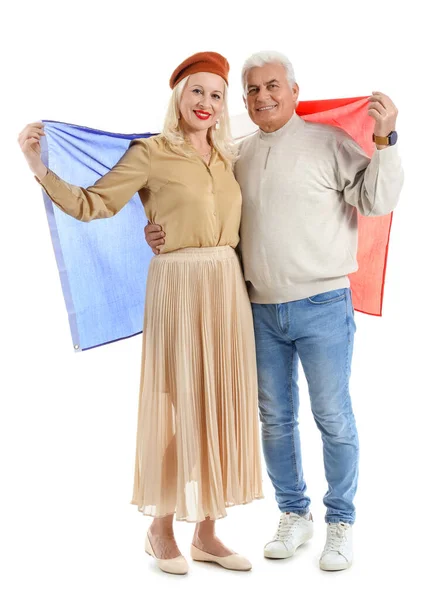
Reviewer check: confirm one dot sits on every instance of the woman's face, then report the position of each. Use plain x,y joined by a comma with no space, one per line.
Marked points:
202,102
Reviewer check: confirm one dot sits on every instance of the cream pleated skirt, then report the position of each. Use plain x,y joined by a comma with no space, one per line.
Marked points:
198,435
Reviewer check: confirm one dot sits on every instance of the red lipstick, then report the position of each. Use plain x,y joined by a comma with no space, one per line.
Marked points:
201,114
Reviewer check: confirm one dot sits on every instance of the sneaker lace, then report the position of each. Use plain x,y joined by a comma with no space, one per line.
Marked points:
336,537
287,525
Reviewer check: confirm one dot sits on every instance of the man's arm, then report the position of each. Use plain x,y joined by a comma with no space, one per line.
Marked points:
155,237
372,186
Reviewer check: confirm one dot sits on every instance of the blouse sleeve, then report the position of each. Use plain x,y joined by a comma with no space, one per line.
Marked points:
110,193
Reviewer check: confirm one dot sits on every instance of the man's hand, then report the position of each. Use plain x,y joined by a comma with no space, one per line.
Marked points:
384,112
155,237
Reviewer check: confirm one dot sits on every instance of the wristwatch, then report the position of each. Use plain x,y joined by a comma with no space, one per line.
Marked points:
389,140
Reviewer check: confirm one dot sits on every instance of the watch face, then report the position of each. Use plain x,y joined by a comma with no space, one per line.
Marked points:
393,137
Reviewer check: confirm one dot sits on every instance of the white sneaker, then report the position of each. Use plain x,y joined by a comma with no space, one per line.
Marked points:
337,553
293,531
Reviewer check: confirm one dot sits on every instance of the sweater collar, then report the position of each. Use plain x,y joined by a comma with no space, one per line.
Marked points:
294,123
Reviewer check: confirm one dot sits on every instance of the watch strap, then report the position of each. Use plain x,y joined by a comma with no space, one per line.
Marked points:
388,140
381,141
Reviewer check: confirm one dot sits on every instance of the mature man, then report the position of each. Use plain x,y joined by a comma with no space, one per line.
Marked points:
302,186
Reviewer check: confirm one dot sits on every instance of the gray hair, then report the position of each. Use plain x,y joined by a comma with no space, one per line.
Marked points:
263,58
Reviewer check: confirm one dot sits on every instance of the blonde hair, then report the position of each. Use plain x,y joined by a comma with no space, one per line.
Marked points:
220,139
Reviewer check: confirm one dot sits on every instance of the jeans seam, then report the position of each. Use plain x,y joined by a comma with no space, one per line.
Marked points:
349,333
282,329
347,373
351,419
296,476
278,316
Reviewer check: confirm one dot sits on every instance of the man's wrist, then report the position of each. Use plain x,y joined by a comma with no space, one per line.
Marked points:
385,141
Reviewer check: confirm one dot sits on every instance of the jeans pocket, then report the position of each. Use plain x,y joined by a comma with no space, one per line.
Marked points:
328,297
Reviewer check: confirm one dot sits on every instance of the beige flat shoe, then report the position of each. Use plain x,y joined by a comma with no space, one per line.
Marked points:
176,566
234,562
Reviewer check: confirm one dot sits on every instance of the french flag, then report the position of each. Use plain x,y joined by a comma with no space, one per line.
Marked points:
103,264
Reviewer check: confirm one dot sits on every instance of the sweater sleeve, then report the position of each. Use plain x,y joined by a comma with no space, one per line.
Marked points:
109,194
372,186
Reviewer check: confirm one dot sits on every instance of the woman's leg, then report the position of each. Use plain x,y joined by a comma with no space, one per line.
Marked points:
161,536
205,539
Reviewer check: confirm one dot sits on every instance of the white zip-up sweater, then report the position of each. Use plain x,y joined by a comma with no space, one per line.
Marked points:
302,187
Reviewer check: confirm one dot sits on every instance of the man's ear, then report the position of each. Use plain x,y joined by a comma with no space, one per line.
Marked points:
296,91
245,101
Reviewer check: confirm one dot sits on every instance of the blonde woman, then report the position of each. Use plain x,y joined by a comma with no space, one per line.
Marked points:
197,438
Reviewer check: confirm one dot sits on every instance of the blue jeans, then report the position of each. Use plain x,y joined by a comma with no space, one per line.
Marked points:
320,331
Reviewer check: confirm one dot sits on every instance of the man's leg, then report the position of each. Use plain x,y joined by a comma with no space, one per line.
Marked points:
326,330
277,373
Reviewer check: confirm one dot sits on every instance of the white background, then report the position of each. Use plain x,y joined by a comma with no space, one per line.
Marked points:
68,420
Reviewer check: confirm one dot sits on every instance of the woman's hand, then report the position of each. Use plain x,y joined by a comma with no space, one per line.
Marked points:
29,141
155,237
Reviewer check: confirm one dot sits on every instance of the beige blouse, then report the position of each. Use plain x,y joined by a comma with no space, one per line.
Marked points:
197,205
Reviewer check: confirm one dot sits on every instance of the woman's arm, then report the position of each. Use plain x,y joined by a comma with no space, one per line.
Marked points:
107,196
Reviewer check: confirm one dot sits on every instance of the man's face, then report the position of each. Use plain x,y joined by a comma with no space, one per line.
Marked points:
269,99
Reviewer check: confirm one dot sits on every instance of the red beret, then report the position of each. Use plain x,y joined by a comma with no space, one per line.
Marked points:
202,62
